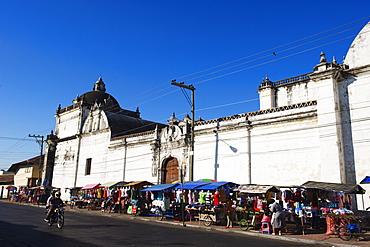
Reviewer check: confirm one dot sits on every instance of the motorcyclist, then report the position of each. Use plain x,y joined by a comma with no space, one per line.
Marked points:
54,203
51,197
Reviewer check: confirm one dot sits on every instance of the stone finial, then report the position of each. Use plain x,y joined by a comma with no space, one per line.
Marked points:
173,119
59,108
265,83
99,85
322,57
186,118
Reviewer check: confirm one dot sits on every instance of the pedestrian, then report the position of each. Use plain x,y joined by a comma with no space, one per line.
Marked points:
278,217
229,213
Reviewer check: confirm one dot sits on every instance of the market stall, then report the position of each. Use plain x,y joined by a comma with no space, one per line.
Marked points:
164,203
39,194
74,193
207,202
333,201
111,196
11,192
133,200
251,205
90,197
186,192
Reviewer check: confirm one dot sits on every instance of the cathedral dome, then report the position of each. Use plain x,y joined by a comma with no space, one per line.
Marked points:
99,96
359,53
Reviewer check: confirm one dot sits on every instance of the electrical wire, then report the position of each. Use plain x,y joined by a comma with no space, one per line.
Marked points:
250,67
274,60
272,49
277,52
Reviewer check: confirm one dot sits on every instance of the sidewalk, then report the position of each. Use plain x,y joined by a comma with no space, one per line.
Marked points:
312,236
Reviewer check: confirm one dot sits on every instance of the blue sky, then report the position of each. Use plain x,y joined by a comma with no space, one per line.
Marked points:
51,51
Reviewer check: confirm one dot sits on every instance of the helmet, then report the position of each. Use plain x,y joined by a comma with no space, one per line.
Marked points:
57,194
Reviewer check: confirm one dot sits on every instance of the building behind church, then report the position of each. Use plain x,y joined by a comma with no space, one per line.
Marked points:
311,127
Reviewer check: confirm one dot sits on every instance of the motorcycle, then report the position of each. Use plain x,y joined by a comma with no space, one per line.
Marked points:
57,217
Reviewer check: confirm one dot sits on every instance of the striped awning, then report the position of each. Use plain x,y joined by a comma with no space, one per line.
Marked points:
138,183
109,184
91,187
256,189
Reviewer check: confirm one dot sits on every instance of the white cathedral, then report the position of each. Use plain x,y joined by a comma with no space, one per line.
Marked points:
311,127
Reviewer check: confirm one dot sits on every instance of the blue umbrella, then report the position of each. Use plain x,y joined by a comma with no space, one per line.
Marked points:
366,180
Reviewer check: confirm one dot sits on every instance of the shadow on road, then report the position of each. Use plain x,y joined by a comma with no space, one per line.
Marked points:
13,235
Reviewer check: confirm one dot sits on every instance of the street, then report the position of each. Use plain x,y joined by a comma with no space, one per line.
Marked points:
23,225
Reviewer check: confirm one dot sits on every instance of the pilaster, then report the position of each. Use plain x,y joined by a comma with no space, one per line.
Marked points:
267,94
327,75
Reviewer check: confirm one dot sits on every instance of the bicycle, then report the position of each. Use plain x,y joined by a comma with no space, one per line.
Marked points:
244,219
351,230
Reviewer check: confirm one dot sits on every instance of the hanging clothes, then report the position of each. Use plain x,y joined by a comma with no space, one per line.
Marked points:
208,197
178,196
216,198
202,197
190,197
195,196
222,195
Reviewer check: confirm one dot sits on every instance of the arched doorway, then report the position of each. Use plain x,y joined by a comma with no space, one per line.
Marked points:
170,170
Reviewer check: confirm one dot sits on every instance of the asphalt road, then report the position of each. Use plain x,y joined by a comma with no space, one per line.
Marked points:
22,225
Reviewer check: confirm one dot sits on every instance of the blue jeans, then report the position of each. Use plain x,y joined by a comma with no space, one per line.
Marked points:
315,218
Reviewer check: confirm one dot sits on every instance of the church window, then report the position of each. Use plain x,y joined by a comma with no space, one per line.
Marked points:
88,167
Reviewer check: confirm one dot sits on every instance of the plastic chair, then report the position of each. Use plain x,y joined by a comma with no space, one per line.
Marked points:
266,227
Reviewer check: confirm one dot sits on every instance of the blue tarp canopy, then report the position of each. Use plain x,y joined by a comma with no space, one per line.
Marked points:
366,180
160,187
191,185
214,185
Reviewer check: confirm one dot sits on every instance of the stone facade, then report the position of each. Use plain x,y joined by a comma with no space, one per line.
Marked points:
309,127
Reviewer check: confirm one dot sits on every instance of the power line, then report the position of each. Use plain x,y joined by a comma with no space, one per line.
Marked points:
269,50
273,49
274,60
269,55
15,138
250,67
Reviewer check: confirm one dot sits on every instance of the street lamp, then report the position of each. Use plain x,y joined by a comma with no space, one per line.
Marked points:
189,87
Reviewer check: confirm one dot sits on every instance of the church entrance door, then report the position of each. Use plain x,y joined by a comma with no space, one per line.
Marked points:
170,171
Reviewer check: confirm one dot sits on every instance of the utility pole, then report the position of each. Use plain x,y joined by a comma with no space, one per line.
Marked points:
40,160
191,165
